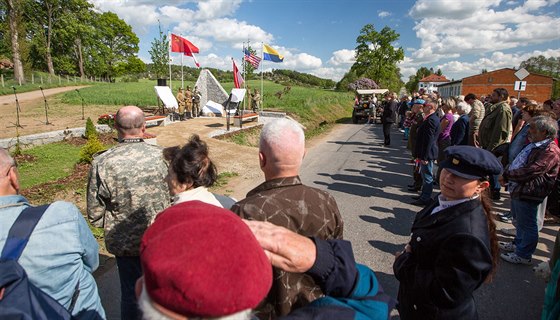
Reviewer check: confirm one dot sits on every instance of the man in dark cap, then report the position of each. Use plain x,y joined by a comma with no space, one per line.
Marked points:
202,261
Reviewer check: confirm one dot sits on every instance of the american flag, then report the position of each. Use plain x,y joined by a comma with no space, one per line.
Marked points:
252,59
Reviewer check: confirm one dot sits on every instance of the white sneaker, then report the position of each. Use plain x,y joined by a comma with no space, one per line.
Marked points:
510,232
515,259
506,246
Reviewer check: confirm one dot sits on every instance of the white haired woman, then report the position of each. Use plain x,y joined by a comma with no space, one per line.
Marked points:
531,176
460,129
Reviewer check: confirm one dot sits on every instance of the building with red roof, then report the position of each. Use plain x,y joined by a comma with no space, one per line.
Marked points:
430,83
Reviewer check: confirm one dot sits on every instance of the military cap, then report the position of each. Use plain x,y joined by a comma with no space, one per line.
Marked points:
471,162
200,260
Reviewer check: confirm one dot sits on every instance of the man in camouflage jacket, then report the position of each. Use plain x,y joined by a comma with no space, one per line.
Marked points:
126,190
284,201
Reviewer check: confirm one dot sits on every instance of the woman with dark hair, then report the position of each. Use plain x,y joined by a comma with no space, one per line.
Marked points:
453,247
191,173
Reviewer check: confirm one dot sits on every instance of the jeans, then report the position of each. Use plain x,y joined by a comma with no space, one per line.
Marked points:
129,271
406,133
426,170
527,237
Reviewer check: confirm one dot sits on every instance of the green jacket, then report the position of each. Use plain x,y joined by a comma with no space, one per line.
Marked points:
495,128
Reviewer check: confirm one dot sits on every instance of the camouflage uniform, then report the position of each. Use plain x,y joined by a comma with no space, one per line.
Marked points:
196,102
126,190
308,211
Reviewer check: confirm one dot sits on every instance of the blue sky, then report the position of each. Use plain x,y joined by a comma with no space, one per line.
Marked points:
318,37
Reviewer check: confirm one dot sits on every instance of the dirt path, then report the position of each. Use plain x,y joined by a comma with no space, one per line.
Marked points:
32,112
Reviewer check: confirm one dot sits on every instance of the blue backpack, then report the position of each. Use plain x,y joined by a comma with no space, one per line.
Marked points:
19,298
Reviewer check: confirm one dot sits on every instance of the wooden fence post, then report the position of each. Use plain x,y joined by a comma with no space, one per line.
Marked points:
2,76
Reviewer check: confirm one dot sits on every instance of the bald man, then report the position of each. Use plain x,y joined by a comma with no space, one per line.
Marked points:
126,190
284,201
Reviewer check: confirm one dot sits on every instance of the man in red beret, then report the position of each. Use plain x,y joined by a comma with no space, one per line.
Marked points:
202,261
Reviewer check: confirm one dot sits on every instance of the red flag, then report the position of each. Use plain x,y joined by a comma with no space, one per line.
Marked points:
177,44
237,77
180,44
189,48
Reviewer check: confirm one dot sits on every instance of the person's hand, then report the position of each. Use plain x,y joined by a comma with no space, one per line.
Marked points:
502,181
475,140
425,162
285,249
407,248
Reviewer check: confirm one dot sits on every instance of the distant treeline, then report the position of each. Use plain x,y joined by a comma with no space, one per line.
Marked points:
284,77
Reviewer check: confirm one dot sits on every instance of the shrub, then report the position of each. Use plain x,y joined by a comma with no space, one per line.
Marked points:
363,83
92,147
91,131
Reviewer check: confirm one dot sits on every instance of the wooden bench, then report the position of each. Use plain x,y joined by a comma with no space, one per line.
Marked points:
154,121
237,120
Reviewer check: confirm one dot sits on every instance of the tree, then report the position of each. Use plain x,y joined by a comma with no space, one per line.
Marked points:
115,42
377,58
413,80
13,10
44,13
160,54
548,67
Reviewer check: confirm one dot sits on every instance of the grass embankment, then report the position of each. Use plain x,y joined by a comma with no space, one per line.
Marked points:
50,163
40,79
310,106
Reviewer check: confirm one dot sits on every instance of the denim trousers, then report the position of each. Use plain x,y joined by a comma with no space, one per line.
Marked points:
129,271
426,170
527,233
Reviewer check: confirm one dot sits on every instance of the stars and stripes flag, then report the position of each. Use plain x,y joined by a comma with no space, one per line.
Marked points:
252,58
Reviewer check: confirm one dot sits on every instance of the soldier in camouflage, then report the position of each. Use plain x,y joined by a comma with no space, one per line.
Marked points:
126,190
284,201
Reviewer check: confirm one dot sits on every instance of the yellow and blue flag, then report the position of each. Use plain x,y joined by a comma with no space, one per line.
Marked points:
271,54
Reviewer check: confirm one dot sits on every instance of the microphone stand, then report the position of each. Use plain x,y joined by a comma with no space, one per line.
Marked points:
46,107
17,109
227,110
78,91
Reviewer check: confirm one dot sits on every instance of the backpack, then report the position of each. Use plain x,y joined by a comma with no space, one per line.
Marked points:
19,298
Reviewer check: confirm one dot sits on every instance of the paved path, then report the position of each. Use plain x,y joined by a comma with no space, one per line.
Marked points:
367,181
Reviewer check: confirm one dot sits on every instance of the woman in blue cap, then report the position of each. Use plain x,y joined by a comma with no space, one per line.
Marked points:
453,247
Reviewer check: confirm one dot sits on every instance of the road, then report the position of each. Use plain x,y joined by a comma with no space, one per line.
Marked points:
369,183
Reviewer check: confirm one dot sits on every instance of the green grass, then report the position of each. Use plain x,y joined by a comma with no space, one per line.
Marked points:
310,106
29,86
53,161
139,93
223,178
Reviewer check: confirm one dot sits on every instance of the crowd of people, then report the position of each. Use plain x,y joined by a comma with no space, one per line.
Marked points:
185,252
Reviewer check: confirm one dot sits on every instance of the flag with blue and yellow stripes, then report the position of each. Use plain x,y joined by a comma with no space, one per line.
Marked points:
271,54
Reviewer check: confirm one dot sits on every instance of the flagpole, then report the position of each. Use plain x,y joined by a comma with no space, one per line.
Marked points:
182,81
169,58
245,75
262,73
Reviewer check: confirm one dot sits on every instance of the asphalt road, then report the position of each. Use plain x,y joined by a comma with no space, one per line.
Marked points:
369,183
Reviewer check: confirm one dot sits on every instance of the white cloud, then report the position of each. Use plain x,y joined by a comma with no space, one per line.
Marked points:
449,29
226,30
343,57
383,14
329,73
496,60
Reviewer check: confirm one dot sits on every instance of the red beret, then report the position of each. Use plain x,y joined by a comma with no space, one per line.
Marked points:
200,260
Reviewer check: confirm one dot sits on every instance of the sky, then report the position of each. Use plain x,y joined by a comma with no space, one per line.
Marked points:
460,37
